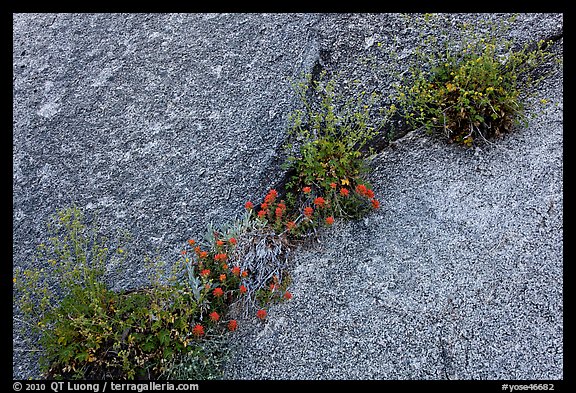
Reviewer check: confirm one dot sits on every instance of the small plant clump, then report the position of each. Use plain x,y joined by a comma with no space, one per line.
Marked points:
471,91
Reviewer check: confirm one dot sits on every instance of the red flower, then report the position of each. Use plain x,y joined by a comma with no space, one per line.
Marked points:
330,220
370,193
191,242
203,254
261,314
198,330
308,211
333,186
264,206
249,205
183,252
272,194
214,316
361,189
232,325
290,225
205,273
287,295
225,266
218,292
220,257
306,190
262,213
244,273
320,202
243,289
344,192
232,241
282,205
375,203
272,286
219,243
236,271
279,212
222,277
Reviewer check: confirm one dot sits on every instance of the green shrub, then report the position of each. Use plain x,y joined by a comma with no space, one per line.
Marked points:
473,90
88,331
331,132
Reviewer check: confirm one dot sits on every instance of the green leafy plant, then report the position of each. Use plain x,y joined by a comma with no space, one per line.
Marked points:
88,331
473,90
331,133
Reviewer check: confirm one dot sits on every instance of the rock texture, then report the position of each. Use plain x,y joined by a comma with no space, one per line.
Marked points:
162,123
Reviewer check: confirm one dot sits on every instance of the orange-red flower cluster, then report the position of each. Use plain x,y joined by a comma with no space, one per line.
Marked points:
198,330
308,211
271,196
261,314
306,190
329,220
249,205
320,202
205,273
220,257
214,316
344,192
232,325
218,292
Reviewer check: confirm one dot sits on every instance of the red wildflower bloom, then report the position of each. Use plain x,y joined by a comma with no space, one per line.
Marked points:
198,330
205,273
214,316
243,289
287,295
282,205
261,314
306,190
225,266
344,192
249,205
219,243
222,277
361,189
279,212
308,211
221,257
333,186
218,292
232,325
236,271
244,273
375,203
330,220
271,196
262,213
264,206
290,225
191,242
272,286
320,202
203,254
232,241
370,193
183,252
